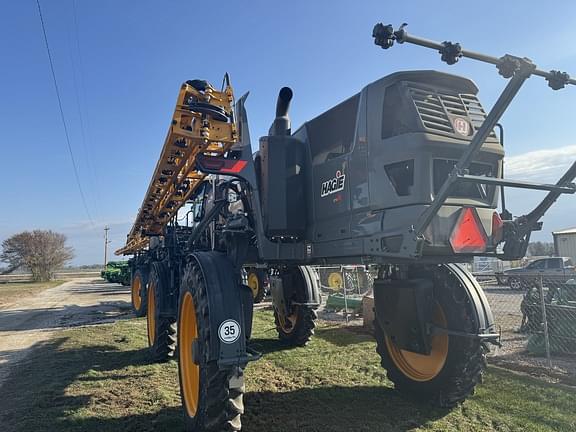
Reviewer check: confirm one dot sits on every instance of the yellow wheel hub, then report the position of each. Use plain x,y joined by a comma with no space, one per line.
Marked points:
335,280
151,314
253,283
419,367
189,371
136,297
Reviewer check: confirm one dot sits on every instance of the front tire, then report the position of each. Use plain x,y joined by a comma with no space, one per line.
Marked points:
212,397
516,284
161,329
449,374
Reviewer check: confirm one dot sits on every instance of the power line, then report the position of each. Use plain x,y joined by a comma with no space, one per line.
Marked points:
77,177
84,119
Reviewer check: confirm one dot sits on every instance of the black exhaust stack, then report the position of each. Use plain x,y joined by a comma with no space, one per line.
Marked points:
282,162
281,124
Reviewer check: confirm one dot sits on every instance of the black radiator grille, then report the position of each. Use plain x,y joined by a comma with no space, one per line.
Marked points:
435,109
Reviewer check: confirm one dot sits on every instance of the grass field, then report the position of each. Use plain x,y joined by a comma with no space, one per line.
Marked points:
98,379
12,291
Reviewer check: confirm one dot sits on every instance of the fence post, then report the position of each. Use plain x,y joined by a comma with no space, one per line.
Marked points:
545,321
345,295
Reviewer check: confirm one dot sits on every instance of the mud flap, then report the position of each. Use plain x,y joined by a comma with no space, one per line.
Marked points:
230,310
403,312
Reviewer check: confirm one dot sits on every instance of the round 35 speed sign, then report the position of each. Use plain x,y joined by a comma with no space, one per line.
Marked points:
229,331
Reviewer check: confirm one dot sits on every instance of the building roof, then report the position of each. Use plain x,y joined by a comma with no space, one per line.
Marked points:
565,231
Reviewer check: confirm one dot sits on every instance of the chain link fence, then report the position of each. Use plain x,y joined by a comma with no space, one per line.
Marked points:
536,316
343,289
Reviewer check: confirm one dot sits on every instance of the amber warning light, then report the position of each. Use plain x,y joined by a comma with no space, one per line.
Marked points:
468,235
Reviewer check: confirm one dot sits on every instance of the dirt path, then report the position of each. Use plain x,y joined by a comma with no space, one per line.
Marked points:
33,319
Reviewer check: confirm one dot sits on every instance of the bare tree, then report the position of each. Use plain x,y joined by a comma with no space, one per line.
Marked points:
541,249
40,252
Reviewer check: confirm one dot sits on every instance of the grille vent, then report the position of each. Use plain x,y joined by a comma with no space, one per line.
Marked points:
435,108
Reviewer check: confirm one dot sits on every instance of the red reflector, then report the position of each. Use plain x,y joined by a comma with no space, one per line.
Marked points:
236,168
225,166
468,235
497,229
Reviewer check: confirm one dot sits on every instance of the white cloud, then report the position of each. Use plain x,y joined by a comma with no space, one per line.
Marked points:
540,165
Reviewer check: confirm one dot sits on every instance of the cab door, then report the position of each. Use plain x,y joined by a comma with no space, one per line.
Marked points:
555,266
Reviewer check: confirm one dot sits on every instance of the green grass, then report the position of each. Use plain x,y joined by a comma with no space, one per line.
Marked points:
99,379
10,292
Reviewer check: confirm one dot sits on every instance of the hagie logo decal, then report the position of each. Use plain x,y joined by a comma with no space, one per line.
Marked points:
333,185
461,126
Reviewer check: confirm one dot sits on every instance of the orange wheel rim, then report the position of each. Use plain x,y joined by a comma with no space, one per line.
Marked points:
288,322
189,371
419,367
151,314
136,297
253,283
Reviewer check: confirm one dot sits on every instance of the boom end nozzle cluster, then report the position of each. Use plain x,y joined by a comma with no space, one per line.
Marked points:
385,35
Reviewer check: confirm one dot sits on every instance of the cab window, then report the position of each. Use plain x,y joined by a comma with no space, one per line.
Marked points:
537,265
332,134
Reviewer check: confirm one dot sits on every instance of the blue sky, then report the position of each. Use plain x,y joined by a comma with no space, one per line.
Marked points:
119,66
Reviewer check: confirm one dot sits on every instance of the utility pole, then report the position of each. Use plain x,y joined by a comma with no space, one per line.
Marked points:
106,229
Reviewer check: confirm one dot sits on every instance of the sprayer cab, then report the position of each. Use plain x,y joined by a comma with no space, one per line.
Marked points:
410,168
368,167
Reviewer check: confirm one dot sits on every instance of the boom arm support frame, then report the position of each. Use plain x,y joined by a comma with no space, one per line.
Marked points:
517,231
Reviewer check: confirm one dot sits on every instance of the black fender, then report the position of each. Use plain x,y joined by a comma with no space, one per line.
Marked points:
312,285
144,269
167,291
141,263
475,294
295,285
228,300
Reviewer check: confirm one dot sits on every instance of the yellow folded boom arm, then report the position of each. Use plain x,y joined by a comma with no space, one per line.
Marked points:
203,123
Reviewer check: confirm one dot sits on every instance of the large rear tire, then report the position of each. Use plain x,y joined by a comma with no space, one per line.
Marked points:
139,293
212,397
455,365
161,329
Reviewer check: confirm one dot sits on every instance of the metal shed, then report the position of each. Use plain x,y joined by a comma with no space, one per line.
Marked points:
565,243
